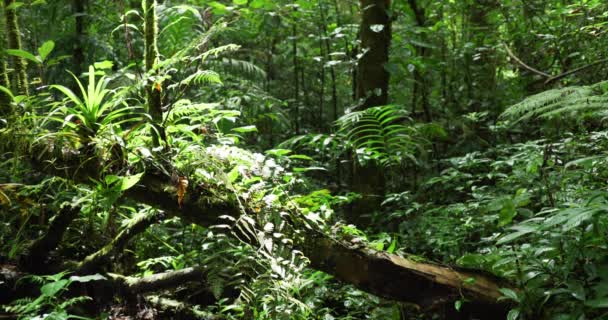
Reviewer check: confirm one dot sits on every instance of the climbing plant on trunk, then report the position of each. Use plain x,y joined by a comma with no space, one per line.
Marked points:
19,79
154,85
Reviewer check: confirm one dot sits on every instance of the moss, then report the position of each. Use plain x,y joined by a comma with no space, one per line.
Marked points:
154,90
19,81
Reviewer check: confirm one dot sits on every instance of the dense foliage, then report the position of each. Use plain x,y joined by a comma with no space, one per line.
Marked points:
227,159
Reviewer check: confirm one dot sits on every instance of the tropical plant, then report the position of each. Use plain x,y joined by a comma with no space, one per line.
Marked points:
98,109
52,303
380,134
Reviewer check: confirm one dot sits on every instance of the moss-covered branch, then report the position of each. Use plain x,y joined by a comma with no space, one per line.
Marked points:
177,309
159,281
103,256
40,249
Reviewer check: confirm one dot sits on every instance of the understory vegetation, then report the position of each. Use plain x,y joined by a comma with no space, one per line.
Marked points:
291,159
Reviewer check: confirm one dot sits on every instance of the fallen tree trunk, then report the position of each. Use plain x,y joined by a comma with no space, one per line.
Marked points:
39,250
99,259
385,275
159,281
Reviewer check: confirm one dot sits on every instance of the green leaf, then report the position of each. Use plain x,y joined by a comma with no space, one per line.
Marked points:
7,91
106,64
507,213
256,4
14,5
51,289
239,2
278,152
130,181
521,231
245,129
458,305
234,174
23,54
46,49
597,303
300,157
509,294
392,247
513,314
309,169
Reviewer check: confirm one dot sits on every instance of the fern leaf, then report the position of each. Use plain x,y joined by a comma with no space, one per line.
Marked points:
560,102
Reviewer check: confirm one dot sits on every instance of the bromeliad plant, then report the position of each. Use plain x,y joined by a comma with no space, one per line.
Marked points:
98,109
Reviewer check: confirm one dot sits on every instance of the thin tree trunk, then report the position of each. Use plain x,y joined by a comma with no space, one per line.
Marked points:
482,61
332,70
296,92
153,88
78,6
5,107
420,85
19,81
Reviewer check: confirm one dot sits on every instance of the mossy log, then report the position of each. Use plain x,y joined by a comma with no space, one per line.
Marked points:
379,273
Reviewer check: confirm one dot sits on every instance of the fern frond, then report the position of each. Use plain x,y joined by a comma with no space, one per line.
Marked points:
201,77
198,44
380,133
215,52
185,108
559,102
239,67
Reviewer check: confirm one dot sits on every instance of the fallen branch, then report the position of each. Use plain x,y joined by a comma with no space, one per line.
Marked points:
386,275
96,261
39,250
177,309
159,281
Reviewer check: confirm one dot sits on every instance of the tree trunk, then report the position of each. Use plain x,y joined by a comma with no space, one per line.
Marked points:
372,82
482,61
375,36
420,85
19,81
78,7
5,106
153,85
296,92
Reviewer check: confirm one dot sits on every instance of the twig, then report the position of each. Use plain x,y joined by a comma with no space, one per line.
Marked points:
567,73
523,64
551,78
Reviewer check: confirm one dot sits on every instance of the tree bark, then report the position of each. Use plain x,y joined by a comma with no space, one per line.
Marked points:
372,81
482,61
5,106
19,81
159,281
78,7
154,88
39,250
375,36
